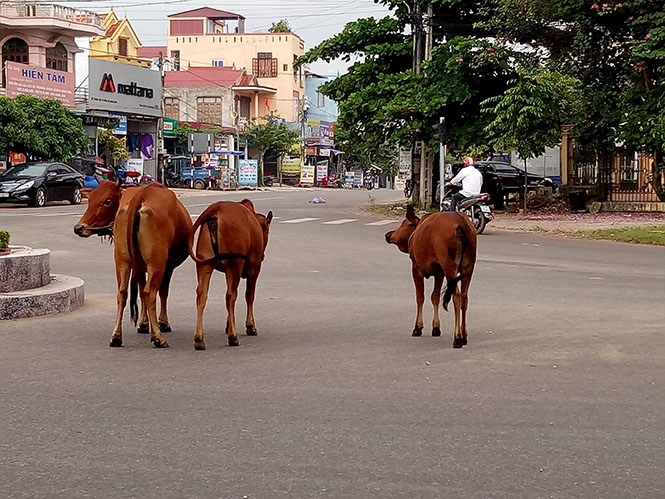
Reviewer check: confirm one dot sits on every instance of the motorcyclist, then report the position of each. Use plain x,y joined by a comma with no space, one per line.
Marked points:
471,181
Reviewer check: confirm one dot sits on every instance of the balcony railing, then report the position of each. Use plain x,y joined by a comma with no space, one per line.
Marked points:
27,10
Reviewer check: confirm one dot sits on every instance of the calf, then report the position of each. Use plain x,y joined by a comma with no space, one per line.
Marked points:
151,231
439,245
233,239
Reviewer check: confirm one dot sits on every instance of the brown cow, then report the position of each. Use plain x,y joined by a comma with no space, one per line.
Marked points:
151,231
439,245
233,239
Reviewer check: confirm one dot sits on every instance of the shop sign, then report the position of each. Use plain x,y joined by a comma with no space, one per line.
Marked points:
121,129
313,132
405,162
213,161
311,150
291,166
321,170
124,88
327,133
135,165
324,151
349,178
41,82
248,172
169,127
307,174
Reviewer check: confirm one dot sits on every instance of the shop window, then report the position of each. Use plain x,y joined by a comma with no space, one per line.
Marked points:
122,46
209,110
172,108
56,57
320,99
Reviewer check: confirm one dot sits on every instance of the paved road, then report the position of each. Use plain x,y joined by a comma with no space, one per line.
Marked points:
559,393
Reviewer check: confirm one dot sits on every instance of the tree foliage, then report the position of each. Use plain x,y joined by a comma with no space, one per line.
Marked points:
40,128
281,26
116,148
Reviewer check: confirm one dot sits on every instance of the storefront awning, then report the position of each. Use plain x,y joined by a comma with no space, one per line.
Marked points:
229,153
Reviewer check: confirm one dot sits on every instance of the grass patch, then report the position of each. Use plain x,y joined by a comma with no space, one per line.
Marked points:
397,209
641,235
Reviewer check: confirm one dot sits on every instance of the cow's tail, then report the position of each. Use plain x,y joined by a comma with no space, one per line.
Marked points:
451,284
133,306
137,275
209,218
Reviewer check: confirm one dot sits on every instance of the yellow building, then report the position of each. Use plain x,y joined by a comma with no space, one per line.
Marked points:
119,44
208,37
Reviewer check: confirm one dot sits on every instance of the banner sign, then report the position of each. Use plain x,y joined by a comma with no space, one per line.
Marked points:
349,179
248,172
291,166
321,170
41,82
124,88
405,162
121,129
169,127
307,174
327,133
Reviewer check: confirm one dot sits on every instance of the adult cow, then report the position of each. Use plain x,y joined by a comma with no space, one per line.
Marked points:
151,231
439,245
233,239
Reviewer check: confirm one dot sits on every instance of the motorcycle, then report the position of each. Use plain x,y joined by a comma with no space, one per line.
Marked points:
475,208
369,181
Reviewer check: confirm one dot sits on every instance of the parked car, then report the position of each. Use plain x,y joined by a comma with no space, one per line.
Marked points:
511,177
37,183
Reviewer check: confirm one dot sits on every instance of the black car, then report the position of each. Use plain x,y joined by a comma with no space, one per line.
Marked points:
510,177
37,183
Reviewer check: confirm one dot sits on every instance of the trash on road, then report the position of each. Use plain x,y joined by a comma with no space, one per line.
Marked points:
317,200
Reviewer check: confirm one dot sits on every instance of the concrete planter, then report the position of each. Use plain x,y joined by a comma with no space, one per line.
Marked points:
27,288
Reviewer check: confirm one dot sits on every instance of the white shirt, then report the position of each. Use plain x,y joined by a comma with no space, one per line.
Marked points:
471,180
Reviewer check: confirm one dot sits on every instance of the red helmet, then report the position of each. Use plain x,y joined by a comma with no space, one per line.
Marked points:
469,161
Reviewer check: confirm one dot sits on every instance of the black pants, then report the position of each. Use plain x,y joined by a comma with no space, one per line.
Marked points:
456,198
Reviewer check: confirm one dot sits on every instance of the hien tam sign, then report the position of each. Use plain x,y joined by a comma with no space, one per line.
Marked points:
23,79
124,88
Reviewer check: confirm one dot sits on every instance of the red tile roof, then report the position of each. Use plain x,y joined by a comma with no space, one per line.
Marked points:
207,12
112,29
150,52
203,77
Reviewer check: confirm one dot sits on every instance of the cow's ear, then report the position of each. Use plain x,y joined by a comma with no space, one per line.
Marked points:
411,214
85,192
118,181
269,217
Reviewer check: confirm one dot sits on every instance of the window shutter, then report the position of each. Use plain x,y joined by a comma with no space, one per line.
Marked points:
255,66
274,68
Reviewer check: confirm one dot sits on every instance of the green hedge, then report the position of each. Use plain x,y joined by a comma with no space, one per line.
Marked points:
4,239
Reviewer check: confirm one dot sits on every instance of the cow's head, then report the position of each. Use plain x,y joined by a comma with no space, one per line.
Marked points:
400,236
103,203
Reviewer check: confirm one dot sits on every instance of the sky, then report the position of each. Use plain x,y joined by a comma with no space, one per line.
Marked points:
314,21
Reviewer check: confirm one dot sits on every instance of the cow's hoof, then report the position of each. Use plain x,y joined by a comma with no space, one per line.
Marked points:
199,345
143,329
436,331
251,331
115,342
459,342
417,331
160,343
233,341
164,327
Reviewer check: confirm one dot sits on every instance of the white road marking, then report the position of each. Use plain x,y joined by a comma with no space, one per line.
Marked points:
253,200
298,220
383,222
341,221
55,214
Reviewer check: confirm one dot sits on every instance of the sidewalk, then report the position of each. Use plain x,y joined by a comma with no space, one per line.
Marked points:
573,222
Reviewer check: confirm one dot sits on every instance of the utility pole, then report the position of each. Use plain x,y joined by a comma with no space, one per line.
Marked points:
415,14
425,171
441,136
161,150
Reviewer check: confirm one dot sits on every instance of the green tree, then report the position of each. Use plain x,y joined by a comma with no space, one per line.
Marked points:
40,128
616,49
281,26
271,135
527,118
116,148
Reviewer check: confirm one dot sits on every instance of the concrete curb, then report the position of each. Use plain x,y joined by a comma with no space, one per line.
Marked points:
26,268
62,294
